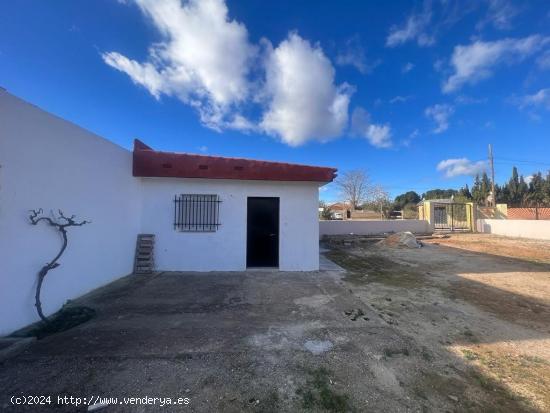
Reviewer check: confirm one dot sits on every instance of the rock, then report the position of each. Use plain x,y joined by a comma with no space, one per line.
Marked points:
453,398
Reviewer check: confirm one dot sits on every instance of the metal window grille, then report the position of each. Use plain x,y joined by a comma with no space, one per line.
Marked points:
196,212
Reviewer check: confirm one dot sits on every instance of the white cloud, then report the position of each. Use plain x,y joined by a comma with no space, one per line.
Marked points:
440,114
469,100
414,29
305,104
205,59
538,99
407,67
500,14
412,136
439,65
476,61
423,26
144,74
353,54
400,99
461,166
544,60
378,135
203,148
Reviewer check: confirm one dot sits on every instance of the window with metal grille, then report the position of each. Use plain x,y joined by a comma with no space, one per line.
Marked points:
196,212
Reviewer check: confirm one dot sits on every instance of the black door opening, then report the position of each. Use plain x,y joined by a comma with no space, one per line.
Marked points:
262,233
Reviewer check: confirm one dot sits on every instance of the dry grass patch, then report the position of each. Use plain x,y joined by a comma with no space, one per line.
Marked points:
527,378
527,249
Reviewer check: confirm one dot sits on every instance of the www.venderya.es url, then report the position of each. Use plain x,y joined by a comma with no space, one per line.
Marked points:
95,402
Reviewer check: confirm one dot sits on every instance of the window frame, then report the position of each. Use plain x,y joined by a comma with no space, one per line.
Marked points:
197,212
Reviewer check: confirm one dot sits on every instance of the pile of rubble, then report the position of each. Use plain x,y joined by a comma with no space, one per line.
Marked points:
401,239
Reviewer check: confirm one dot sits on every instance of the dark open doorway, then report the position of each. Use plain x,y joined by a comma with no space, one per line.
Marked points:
262,234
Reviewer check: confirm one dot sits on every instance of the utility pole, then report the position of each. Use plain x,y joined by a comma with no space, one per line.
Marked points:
492,163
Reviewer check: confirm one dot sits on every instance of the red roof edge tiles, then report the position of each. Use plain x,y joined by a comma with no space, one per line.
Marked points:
150,163
528,213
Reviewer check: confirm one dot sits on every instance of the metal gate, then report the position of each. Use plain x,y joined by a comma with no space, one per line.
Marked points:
452,216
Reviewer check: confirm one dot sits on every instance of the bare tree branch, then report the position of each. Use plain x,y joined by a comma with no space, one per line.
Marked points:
380,200
35,217
355,187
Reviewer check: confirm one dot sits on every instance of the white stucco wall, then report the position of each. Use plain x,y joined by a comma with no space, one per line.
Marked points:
535,229
225,249
49,163
373,227
46,162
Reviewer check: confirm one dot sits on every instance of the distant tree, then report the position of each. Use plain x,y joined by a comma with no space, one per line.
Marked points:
355,187
546,188
481,189
516,190
476,190
535,197
439,194
523,191
410,197
513,188
380,201
325,212
485,188
465,192
410,211
502,194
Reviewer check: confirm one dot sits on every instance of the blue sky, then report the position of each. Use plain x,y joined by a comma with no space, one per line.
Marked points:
413,92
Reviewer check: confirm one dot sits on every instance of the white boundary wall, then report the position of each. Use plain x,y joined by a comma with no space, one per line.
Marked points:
515,228
49,163
373,227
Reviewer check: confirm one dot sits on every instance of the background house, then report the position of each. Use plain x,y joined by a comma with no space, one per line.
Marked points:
47,162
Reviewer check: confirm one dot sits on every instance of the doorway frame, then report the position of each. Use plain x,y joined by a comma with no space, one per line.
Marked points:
278,245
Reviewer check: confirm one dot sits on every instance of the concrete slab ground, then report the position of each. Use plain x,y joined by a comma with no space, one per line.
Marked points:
227,341
254,341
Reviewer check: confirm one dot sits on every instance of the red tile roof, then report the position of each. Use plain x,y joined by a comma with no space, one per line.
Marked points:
150,163
528,213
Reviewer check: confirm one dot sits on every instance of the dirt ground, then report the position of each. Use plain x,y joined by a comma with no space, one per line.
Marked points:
490,307
529,249
447,327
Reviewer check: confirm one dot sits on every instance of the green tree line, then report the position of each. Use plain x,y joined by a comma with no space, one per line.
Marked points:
516,192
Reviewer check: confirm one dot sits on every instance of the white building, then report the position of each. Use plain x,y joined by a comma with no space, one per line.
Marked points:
207,213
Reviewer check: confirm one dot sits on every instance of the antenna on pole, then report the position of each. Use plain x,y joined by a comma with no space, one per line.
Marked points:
492,163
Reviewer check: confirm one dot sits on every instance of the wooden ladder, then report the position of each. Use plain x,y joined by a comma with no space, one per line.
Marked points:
144,262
